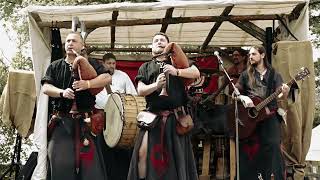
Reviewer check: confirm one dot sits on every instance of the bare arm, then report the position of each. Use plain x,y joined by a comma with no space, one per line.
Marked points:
144,90
51,90
100,81
191,72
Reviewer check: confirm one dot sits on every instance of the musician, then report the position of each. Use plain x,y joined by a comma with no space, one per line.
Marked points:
239,57
121,82
160,153
117,160
72,151
260,154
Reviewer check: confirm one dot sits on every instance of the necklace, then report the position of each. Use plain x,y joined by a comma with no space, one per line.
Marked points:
262,74
70,64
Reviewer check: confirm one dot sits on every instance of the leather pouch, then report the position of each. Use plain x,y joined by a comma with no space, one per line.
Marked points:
184,121
146,120
97,121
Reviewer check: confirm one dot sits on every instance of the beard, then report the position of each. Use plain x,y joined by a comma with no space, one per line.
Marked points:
157,50
111,70
236,61
255,64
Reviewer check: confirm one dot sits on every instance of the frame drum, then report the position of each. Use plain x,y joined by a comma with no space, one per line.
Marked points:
121,127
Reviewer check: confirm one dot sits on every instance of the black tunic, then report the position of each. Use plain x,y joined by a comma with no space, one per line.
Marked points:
148,74
61,145
169,155
260,154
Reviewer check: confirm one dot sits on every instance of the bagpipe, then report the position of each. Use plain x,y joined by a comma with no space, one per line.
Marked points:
180,61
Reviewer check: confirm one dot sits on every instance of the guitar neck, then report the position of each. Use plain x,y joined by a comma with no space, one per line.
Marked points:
272,96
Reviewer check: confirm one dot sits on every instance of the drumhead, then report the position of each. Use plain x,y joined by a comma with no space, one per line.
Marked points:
114,123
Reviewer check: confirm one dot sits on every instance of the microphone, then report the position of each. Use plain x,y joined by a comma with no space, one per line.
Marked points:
216,53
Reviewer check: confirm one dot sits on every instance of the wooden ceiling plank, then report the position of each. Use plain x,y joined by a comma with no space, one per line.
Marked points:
215,28
186,50
113,28
168,15
296,11
251,29
36,17
174,20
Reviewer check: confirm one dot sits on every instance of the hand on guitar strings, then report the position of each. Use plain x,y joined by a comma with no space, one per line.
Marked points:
245,100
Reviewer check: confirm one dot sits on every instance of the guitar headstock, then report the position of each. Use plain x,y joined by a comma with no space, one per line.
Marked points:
302,74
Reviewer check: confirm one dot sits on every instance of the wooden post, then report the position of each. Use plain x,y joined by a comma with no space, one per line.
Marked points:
206,159
232,159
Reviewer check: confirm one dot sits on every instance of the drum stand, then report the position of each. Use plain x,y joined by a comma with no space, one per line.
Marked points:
236,119
15,161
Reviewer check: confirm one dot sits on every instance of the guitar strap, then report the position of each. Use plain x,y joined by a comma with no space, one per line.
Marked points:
270,83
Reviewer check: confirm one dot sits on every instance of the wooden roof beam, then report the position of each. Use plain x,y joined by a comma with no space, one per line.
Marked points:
174,20
113,28
139,49
36,17
296,11
251,29
215,28
168,16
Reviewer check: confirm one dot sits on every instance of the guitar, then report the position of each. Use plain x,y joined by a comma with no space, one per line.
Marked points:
250,116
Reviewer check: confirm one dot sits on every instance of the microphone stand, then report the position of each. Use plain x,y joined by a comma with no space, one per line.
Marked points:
237,120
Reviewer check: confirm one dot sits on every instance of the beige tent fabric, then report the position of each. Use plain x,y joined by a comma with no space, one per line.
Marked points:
18,101
41,55
288,58
185,34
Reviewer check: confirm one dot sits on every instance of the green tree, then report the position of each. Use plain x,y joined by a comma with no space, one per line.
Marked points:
317,80
315,29
314,20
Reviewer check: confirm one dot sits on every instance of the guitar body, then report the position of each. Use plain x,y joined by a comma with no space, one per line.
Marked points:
249,117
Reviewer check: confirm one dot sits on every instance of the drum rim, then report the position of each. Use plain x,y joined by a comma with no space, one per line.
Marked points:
112,142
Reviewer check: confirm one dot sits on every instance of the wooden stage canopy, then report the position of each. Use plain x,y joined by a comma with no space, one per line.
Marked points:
198,26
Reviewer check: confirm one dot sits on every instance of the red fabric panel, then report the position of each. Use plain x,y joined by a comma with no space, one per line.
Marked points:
209,63
130,67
